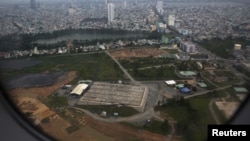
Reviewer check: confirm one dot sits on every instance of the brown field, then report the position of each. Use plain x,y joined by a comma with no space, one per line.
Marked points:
137,53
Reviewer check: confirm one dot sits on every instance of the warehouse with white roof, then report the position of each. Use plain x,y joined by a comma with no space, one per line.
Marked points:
79,89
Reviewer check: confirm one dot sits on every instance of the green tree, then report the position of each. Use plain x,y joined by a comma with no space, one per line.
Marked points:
165,125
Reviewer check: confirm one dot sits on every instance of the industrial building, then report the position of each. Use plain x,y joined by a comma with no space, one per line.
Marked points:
103,93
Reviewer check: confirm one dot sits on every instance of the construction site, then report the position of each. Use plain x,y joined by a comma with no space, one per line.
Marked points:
103,93
137,52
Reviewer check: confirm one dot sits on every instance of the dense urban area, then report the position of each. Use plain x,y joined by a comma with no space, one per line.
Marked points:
200,21
108,70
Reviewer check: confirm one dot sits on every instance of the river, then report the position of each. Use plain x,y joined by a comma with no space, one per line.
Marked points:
91,36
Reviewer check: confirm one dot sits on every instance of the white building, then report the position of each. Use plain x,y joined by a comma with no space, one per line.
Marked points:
237,46
188,47
72,11
159,7
35,50
124,4
171,20
79,89
111,12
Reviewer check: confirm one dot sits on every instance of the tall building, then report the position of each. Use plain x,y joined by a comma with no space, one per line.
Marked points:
171,20
111,12
159,7
106,2
33,4
125,4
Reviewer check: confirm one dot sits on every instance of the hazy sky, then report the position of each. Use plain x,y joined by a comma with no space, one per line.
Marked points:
26,1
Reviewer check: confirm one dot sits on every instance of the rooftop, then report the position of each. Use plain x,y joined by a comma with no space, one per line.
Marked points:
170,82
188,73
201,84
180,85
78,90
185,90
240,90
102,93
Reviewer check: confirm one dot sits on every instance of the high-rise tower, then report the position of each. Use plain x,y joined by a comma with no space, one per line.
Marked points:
111,12
33,4
159,7
106,2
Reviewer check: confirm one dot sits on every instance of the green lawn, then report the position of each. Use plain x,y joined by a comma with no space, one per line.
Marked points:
96,66
153,125
154,73
232,79
144,62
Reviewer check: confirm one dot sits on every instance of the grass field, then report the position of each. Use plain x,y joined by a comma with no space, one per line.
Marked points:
159,73
97,66
192,116
154,126
144,62
231,78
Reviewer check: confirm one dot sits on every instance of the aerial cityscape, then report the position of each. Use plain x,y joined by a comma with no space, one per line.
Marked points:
125,70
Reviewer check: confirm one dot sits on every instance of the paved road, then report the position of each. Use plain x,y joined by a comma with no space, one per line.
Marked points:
122,68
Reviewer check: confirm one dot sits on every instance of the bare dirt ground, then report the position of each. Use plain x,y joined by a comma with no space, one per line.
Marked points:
137,52
27,101
124,133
